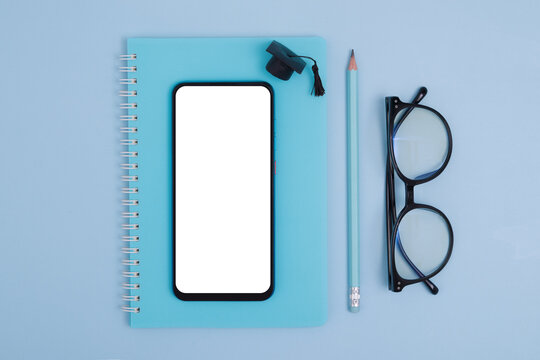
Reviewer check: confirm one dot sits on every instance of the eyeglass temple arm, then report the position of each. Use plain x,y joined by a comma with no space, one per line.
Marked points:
432,287
390,205
422,92
390,212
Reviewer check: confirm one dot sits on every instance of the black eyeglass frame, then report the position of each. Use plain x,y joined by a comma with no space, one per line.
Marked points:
393,107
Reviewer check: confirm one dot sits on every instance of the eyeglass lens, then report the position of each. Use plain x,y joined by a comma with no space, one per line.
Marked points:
420,143
421,244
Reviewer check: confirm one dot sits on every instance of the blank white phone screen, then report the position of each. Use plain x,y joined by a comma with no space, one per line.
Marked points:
223,189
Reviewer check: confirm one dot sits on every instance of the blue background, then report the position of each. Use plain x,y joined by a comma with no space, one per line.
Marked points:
60,204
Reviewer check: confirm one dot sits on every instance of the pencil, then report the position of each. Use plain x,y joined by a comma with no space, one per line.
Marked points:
352,185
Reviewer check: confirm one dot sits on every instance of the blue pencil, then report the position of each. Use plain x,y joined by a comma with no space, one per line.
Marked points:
352,185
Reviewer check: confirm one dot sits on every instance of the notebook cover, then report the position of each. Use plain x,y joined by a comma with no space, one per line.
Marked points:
300,296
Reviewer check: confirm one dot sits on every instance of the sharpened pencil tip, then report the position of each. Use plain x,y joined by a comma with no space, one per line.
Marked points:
352,62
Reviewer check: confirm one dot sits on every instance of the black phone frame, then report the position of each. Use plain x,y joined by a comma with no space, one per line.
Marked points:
226,296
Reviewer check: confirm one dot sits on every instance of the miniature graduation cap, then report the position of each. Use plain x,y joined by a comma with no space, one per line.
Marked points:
284,62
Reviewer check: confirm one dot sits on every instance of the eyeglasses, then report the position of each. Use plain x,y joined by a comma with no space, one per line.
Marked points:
420,238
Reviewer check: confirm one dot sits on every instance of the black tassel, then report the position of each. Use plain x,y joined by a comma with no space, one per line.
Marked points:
318,88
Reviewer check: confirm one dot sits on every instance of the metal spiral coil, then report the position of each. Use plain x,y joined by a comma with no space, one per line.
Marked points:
128,93
131,309
128,69
129,213
130,274
128,129
130,286
128,190
130,178
129,153
128,262
128,166
130,226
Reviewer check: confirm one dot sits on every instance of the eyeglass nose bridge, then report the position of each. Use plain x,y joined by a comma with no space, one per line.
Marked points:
409,195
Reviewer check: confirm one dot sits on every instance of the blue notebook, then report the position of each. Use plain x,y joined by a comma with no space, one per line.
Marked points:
153,68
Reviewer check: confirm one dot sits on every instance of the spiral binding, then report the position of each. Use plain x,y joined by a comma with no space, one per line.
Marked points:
130,205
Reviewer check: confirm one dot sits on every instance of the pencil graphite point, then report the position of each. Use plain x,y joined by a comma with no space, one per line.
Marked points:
352,62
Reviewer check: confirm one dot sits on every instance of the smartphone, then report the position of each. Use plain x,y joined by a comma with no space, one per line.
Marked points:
223,196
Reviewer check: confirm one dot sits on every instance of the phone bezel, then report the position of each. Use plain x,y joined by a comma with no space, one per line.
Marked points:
225,296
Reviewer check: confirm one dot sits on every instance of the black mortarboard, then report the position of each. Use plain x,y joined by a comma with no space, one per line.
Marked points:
284,62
